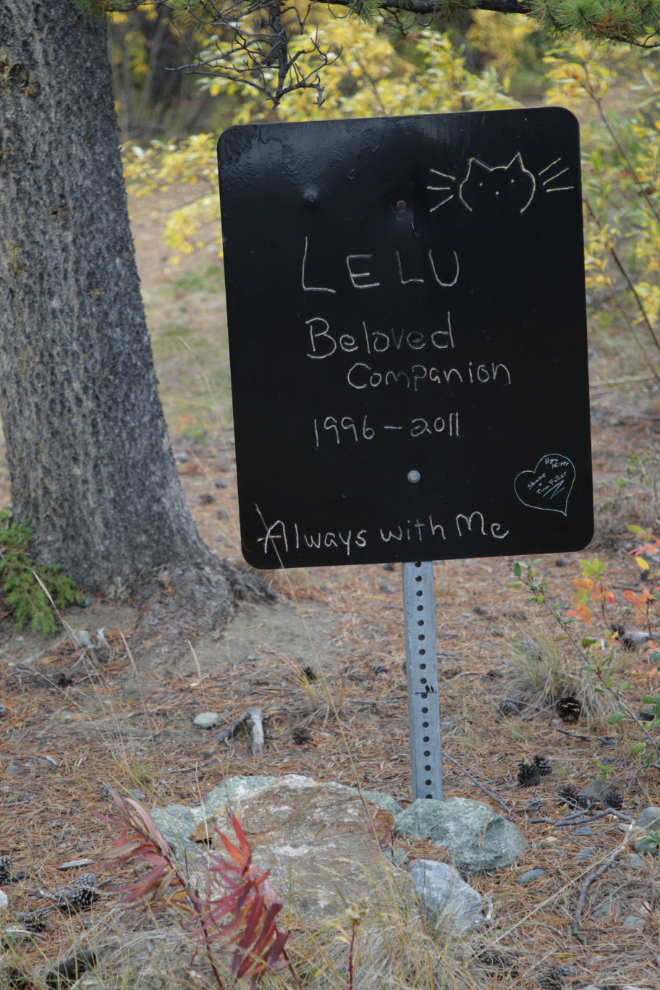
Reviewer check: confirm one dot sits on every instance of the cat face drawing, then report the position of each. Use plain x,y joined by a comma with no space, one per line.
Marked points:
501,188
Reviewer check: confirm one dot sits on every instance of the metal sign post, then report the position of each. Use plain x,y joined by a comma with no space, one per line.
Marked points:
422,674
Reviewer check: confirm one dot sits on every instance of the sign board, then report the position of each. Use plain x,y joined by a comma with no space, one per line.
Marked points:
407,332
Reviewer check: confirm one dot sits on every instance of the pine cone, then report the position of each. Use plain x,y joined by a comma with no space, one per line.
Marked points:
611,798
33,921
544,765
301,735
568,794
83,897
496,961
529,774
74,900
5,869
87,880
569,708
548,981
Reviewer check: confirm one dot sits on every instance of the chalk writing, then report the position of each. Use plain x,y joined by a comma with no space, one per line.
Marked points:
324,343
417,427
362,375
412,530
406,316
356,267
548,486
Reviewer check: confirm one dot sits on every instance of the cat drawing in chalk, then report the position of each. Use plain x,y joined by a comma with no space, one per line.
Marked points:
501,188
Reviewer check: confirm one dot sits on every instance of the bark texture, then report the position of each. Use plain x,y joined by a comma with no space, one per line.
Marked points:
89,456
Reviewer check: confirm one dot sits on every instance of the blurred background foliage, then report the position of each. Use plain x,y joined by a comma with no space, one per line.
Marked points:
170,122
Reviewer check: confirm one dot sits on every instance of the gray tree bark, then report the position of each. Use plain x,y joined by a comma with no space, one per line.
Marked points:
89,456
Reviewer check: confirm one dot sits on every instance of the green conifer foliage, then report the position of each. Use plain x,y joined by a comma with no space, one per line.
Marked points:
27,596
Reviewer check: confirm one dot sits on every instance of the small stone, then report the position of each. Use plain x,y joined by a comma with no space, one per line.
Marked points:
586,855
3,711
583,830
444,895
14,768
388,567
4,901
397,857
82,639
379,668
387,588
206,498
633,922
649,818
207,720
529,876
606,909
65,719
222,514
648,844
594,791
561,562
477,837
632,861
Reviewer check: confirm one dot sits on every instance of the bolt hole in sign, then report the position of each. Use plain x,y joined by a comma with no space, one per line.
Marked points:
407,333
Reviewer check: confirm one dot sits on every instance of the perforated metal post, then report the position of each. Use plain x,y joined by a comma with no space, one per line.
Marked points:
422,673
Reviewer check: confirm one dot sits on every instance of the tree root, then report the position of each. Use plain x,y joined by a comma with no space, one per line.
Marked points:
180,602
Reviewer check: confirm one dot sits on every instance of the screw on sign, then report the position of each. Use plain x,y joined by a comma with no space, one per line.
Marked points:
407,333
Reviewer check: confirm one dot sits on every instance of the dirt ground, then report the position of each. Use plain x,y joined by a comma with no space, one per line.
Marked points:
79,718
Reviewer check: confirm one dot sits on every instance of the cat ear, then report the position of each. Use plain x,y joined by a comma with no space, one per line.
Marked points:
527,174
517,160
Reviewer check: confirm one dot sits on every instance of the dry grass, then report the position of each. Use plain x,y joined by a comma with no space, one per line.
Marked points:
544,673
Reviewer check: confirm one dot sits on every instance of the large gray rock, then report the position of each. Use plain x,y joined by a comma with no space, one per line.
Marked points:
445,896
476,836
314,839
177,821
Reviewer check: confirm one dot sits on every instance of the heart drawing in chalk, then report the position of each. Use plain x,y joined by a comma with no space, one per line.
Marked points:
548,485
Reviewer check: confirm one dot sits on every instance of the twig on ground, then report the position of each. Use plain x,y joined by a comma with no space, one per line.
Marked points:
253,719
575,926
581,821
574,735
481,787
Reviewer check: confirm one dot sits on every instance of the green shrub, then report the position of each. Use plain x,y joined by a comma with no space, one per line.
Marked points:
23,593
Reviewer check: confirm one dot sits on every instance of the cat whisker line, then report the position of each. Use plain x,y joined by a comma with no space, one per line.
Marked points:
438,188
443,174
553,177
433,208
549,166
561,189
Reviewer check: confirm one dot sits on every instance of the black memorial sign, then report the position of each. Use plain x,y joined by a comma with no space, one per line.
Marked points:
407,337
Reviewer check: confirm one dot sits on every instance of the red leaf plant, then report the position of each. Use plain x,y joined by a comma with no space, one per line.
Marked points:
238,906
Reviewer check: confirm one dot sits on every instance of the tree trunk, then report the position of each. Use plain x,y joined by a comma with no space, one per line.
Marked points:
89,456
